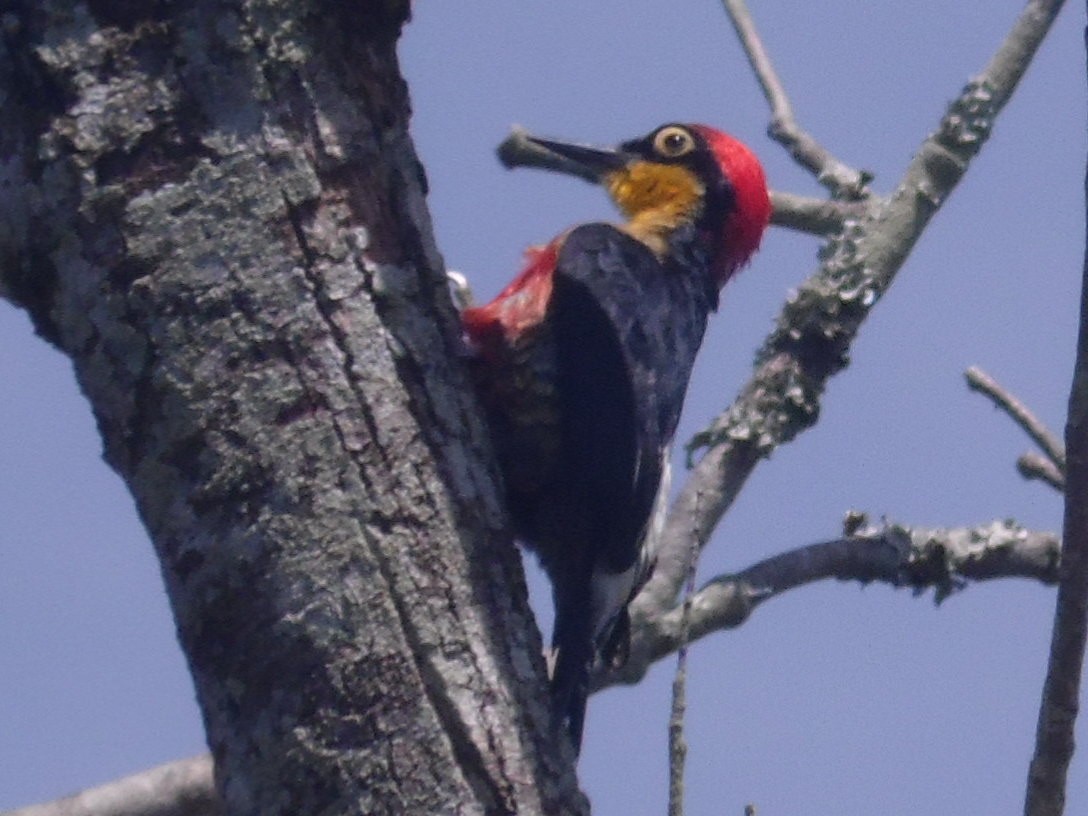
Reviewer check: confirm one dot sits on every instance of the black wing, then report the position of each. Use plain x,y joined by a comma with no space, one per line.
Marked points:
626,330
604,447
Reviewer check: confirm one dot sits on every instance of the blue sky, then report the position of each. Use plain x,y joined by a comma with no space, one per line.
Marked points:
831,699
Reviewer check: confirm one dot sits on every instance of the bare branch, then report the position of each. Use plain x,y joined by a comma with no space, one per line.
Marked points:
841,180
1033,465
1054,740
810,215
892,554
817,325
181,788
814,216
979,380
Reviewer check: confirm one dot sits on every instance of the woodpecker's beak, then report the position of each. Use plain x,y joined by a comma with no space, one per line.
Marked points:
589,163
585,161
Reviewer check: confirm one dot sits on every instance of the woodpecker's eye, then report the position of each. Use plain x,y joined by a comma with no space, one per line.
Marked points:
673,142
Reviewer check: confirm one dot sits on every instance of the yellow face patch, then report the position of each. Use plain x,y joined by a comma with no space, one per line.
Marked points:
656,198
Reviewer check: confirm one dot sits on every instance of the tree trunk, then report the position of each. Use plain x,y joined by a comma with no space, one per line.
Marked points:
215,210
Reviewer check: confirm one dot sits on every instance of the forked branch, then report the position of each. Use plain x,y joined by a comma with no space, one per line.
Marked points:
1051,466
841,180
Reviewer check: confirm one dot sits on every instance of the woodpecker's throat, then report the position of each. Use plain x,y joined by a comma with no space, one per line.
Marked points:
656,199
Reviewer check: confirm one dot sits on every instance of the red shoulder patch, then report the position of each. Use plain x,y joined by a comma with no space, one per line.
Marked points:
517,308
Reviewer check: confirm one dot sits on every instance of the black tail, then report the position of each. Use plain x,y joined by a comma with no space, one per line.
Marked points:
572,645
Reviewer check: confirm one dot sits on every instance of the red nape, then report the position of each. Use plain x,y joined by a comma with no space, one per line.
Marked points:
745,225
518,307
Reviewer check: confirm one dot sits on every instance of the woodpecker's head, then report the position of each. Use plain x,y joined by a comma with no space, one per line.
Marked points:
681,176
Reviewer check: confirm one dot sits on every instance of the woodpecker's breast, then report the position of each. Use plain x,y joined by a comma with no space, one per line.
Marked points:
514,371
516,383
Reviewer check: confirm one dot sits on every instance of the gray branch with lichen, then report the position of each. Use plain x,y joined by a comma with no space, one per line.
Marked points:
917,558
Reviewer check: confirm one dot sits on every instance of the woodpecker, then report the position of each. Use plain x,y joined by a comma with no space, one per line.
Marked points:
582,363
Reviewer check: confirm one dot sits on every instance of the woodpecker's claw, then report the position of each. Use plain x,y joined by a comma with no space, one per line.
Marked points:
460,290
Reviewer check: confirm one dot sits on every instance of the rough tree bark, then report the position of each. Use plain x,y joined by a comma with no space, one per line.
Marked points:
215,210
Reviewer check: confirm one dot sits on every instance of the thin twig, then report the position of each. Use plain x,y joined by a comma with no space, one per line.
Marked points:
841,180
678,748
979,380
1034,465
